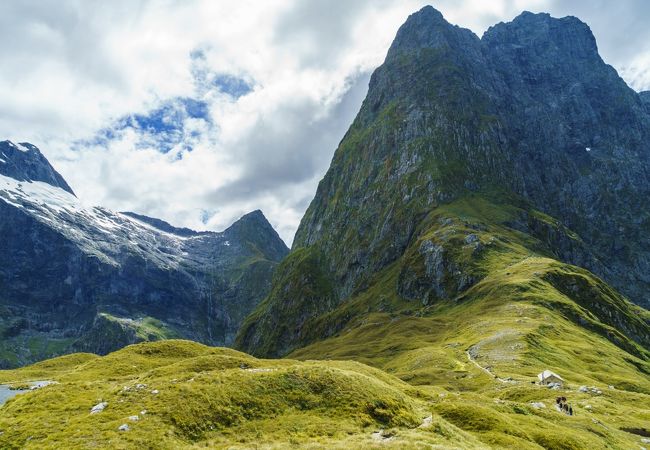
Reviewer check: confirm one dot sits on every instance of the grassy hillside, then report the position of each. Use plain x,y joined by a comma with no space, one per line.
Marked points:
447,363
179,394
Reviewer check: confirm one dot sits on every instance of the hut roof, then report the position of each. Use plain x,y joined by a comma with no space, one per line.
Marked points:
547,374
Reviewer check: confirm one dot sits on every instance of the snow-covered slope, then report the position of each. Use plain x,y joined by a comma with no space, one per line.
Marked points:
78,277
107,234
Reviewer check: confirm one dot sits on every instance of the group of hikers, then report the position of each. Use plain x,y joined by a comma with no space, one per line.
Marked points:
564,406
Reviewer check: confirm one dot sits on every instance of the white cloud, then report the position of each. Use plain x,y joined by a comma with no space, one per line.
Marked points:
637,72
73,70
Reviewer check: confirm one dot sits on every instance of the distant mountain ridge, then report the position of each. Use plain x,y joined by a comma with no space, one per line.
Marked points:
164,226
74,277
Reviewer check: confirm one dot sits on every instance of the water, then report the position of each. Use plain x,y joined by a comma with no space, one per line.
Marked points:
6,393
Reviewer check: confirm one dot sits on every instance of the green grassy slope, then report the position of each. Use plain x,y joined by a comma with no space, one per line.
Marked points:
444,369
188,395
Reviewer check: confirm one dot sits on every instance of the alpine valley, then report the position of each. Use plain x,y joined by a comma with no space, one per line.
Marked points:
485,219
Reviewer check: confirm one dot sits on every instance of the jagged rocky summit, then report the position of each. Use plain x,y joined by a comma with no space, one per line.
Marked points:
78,278
528,116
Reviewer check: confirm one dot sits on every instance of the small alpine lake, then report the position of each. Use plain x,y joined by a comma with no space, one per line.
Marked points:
7,393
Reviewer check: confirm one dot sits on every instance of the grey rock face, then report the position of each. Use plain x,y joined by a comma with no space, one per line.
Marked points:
645,99
429,284
86,278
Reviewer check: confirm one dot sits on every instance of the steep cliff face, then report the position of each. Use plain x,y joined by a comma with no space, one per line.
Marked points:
645,99
74,277
580,135
528,114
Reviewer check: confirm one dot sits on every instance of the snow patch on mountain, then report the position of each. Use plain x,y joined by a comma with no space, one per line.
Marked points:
20,147
105,233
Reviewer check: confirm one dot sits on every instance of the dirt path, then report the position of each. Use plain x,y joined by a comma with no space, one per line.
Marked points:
473,361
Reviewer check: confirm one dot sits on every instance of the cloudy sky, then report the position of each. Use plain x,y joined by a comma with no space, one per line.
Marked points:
200,111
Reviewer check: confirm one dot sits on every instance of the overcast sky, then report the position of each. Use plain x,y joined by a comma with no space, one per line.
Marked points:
197,112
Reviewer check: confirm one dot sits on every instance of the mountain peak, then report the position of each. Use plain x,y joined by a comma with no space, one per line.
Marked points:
568,37
255,215
428,12
427,28
256,229
25,162
254,218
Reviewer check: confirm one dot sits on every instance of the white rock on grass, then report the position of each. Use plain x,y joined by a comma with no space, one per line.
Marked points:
134,418
426,422
155,391
124,427
382,436
99,407
537,405
590,389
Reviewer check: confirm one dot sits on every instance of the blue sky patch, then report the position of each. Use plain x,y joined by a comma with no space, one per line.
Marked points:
169,117
231,85
207,79
162,128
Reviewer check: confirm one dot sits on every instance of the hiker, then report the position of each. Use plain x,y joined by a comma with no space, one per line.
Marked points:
570,411
558,400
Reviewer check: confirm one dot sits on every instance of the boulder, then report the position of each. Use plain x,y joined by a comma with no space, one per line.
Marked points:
99,407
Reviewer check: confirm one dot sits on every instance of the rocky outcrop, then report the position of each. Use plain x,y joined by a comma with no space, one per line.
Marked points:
645,98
